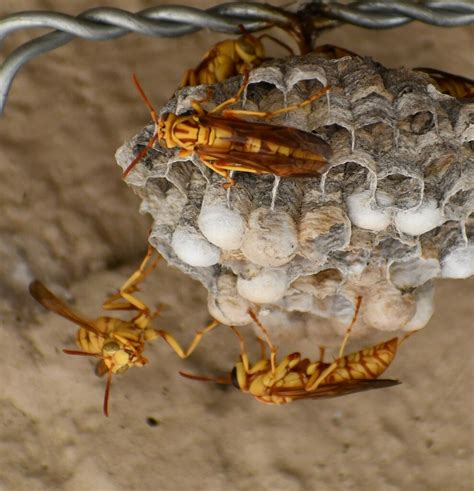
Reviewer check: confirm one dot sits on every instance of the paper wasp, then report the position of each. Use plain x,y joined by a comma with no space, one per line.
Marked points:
228,58
294,378
238,56
453,85
117,343
224,143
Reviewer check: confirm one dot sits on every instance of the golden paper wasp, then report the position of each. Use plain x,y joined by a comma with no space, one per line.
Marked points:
238,56
453,85
117,343
294,378
224,143
226,59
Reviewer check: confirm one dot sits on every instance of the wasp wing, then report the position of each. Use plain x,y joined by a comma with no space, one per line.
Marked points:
453,85
51,302
285,136
335,390
260,163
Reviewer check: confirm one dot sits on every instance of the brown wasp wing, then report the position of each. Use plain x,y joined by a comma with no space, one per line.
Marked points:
453,85
259,163
335,390
279,135
51,302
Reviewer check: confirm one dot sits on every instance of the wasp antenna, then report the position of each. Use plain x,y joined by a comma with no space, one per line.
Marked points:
143,152
272,347
107,393
80,353
145,98
218,380
156,120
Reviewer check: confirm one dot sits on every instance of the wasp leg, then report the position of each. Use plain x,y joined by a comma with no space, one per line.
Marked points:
272,347
277,41
189,79
236,113
233,100
261,365
196,104
349,329
263,348
176,347
322,351
229,165
115,302
315,381
215,165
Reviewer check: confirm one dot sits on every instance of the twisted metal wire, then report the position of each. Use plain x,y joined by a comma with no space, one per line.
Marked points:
102,23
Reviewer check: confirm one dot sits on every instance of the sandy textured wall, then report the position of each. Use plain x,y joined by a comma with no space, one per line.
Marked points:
68,218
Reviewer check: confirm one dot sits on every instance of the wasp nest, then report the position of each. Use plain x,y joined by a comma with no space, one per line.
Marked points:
393,210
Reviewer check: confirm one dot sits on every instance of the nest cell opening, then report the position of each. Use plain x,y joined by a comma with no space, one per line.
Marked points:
404,191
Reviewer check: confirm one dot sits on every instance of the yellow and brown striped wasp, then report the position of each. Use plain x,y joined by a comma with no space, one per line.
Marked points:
295,378
238,56
117,343
229,58
225,143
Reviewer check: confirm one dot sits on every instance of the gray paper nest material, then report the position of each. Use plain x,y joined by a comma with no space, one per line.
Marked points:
393,211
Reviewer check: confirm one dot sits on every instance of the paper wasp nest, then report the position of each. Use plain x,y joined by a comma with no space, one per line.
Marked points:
393,211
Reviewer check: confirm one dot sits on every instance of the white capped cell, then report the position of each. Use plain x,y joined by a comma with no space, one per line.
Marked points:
459,263
300,250
193,249
386,309
222,226
226,305
363,213
414,272
268,286
271,239
424,308
419,220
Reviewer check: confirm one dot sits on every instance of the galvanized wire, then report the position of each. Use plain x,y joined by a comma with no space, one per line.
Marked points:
103,23
378,14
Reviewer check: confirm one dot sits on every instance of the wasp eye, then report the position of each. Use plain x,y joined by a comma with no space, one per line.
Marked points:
234,379
111,347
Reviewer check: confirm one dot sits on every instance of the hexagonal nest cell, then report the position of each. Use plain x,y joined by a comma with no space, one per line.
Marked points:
392,211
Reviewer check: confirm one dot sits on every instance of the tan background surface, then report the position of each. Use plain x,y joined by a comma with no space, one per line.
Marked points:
68,218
